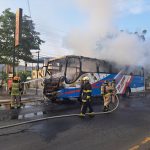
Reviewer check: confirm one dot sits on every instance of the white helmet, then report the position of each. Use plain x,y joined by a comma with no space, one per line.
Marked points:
86,78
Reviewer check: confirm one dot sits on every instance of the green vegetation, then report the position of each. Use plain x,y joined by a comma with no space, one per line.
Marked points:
30,38
24,74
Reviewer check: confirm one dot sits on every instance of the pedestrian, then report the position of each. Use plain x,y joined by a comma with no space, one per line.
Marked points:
15,93
86,97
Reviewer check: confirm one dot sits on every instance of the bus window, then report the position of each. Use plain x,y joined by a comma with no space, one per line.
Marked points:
56,68
73,69
137,71
89,65
104,67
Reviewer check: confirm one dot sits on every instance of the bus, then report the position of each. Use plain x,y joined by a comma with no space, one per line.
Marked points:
63,77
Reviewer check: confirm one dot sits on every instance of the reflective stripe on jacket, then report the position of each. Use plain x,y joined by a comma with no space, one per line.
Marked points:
15,89
87,91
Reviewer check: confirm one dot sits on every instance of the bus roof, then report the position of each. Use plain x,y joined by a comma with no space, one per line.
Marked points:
67,56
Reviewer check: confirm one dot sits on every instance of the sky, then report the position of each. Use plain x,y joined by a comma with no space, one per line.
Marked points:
67,26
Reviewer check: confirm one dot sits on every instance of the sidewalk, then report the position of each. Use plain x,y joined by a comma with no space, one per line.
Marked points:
28,96
24,99
7,114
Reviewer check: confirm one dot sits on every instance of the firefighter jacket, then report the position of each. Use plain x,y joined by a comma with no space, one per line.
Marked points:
113,85
15,90
86,92
108,89
102,89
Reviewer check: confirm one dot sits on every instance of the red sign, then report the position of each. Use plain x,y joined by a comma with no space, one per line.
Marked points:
9,83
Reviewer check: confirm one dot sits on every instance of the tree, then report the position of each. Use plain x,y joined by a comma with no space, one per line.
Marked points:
24,74
30,38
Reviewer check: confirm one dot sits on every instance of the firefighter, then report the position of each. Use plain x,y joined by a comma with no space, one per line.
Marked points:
86,97
81,90
102,92
15,92
107,95
114,90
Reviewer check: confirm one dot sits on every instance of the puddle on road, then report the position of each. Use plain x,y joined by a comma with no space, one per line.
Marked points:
32,110
25,112
30,115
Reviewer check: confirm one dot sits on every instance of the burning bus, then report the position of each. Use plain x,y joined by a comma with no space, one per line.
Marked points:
63,77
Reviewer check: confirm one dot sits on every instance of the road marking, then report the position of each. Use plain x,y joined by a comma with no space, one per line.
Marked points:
147,139
136,147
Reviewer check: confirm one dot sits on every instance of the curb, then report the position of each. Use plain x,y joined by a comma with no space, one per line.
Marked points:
23,100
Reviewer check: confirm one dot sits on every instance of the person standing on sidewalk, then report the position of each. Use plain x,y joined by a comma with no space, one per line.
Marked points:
15,92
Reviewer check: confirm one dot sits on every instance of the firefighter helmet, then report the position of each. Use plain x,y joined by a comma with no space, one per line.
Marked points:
16,78
113,81
86,78
105,82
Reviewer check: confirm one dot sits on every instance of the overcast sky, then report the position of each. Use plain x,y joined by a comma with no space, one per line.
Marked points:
54,19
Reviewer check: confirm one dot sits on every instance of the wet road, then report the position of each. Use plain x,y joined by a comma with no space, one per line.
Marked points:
126,128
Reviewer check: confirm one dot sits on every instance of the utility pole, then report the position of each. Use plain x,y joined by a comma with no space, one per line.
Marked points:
17,34
37,70
14,62
38,64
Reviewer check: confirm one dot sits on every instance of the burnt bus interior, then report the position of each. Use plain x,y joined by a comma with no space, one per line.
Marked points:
70,68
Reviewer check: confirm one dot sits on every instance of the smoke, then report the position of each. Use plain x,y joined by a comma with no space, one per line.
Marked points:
125,48
100,38
100,17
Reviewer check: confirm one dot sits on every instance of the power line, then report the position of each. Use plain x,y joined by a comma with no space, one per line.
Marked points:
29,8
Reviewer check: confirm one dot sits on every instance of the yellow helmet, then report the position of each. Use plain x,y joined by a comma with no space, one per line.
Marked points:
106,82
113,81
16,78
86,78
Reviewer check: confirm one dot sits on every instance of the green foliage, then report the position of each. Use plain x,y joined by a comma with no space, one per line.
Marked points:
23,75
7,23
30,38
4,76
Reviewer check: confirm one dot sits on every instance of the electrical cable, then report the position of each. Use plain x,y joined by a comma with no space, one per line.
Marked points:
29,8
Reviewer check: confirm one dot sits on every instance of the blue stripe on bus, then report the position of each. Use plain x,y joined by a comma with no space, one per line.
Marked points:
137,81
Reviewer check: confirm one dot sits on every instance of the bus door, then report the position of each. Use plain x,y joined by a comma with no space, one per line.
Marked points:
72,74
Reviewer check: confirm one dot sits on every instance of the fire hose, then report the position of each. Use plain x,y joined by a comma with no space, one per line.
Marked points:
60,116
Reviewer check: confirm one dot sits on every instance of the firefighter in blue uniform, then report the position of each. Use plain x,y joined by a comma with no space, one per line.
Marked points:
86,97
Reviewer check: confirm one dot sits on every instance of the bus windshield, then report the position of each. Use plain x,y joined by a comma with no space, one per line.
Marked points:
73,69
56,68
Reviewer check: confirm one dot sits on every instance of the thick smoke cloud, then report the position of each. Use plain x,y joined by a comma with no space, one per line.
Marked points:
100,38
125,48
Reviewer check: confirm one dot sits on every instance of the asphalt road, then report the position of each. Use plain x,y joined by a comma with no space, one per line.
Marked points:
126,128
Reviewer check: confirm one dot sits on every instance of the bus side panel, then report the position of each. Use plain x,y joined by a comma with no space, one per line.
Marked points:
137,84
97,85
69,93
74,92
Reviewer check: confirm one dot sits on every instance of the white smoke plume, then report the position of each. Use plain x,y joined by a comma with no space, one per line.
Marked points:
100,38
126,48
